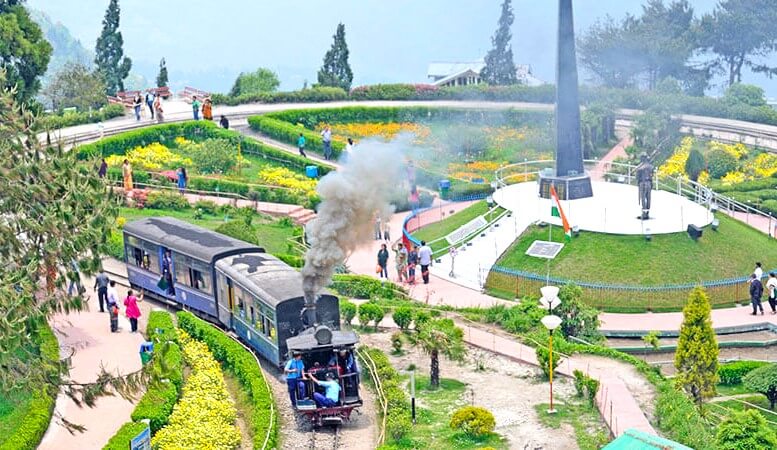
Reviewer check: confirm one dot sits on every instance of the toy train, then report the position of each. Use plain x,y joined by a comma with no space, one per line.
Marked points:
243,289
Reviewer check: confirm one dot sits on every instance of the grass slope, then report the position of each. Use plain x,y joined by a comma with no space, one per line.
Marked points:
444,227
667,259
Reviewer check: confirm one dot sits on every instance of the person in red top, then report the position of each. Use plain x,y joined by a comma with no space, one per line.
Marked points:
133,312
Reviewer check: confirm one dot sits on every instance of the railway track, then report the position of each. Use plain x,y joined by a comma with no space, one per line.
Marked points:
324,438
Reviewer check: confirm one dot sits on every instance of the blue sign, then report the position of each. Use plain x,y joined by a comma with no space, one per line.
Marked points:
142,441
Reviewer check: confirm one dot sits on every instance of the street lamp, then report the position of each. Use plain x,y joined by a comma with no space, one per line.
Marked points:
412,393
549,299
551,322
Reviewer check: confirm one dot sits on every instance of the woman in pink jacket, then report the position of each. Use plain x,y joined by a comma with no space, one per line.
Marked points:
133,312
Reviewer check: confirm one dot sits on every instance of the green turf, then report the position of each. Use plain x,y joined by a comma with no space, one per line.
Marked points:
446,226
590,431
668,259
732,389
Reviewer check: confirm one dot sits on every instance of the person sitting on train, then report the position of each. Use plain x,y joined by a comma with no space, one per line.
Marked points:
294,371
332,387
344,361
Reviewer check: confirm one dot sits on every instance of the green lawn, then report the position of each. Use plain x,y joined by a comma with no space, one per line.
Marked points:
720,410
435,408
668,259
446,226
590,431
732,389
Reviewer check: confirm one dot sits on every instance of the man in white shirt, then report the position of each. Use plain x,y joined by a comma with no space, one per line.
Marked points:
758,272
113,306
771,288
425,259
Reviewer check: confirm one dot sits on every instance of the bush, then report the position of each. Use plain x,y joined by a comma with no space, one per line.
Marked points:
396,342
114,246
745,430
473,420
160,327
122,438
679,419
586,386
543,358
292,260
764,381
468,191
314,95
206,206
403,316
371,312
720,162
347,311
733,372
362,286
166,200
258,82
213,155
52,122
238,229
398,423
243,365
156,405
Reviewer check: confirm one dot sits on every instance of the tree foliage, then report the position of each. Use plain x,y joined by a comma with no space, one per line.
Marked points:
76,86
695,164
499,68
696,358
57,215
24,52
578,319
161,78
336,71
745,94
745,430
261,80
109,51
440,336
657,132
763,380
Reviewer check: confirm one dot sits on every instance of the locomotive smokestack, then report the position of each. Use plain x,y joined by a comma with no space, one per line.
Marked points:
350,198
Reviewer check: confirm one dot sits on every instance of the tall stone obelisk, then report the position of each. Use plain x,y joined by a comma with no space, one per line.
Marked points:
570,179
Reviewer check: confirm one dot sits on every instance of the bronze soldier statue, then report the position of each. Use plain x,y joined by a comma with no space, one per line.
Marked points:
645,184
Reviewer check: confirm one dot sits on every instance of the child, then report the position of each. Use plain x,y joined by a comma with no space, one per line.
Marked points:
114,309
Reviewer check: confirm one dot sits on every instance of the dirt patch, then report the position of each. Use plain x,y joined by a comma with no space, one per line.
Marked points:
506,388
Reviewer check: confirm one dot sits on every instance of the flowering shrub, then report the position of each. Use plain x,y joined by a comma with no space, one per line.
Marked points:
738,151
387,131
212,155
704,178
501,137
733,178
151,157
762,166
205,415
281,176
473,170
675,165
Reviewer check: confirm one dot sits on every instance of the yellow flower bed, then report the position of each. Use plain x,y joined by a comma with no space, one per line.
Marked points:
762,166
477,169
281,176
204,417
151,157
738,151
501,137
387,131
733,178
675,165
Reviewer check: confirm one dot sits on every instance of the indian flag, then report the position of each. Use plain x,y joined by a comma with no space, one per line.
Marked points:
556,211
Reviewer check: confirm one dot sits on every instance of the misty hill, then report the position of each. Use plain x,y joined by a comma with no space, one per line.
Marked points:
66,47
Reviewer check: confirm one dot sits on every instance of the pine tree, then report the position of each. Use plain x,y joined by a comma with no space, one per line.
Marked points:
109,53
336,71
500,69
696,359
161,79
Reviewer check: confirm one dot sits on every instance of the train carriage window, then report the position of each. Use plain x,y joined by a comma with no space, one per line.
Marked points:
151,257
240,295
181,266
253,317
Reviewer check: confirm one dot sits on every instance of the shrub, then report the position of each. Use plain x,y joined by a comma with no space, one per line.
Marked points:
403,316
543,358
744,430
347,311
421,318
398,423
243,365
362,286
764,381
720,162
122,438
114,246
260,81
473,420
166,200
292,260
680,420
370,312
206,206
156,405
213,155
52,122
733,372
238,229
586,386
314,95
396,342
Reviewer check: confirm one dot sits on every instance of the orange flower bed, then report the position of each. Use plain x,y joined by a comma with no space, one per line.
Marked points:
387,131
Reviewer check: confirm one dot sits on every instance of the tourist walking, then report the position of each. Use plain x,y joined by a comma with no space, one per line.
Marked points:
756,291
453,252
386,233
75,281
771,287
425,259
758,271
101,286
150,102
182,179
132,311
348,150
137,102
103,170
378,234
224,122
383,256
158,109
126,173
400,260
294,371
412,262
207,109
301,145
196,107
113,306
326,137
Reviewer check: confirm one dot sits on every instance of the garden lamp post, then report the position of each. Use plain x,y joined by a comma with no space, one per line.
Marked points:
412,393
551,322
549,299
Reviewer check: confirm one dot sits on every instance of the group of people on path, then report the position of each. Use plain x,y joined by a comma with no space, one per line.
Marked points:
757,290
342,362
152,101
405,261
326,138
108,298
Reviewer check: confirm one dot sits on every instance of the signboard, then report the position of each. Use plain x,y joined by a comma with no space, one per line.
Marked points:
466,229
544,249
142,441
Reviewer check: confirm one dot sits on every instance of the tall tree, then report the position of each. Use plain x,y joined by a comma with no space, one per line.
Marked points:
24,52
696,358
336,71
610,52
742,34
440,336
75,86
56,216
161,78
109,52
500,69
261,80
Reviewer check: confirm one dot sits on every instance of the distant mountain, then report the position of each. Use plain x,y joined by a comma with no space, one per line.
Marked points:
66,47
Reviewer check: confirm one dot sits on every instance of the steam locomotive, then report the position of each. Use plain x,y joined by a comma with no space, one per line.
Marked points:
239,287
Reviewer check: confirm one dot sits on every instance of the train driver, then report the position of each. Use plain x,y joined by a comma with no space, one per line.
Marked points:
332,388
294,371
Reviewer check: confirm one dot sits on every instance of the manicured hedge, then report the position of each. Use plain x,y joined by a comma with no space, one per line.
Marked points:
313,95
160,327
289,133
121,440
362,286
41,406
733,372
398,422
242,364
55,121
156,405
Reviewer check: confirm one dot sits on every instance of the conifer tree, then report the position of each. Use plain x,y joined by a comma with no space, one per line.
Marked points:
500,69
336,71
109,52
24,51
161,79
696,359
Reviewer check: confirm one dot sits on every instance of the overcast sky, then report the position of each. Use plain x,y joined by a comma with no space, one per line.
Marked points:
210,42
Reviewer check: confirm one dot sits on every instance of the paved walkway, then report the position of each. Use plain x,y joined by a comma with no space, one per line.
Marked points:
604,164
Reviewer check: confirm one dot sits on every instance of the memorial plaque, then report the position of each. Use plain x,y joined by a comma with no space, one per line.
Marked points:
544,249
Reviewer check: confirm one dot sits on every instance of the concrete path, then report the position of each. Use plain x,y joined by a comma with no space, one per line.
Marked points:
721,318
604,164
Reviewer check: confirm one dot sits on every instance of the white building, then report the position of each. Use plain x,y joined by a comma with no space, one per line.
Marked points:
466,73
